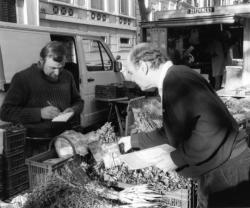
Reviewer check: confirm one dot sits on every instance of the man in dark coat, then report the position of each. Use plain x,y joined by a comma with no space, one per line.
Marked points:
209,145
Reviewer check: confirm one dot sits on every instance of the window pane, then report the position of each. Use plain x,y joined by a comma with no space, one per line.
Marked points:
96,57
97,4
132,9
124,7
92,55
107,62
111,6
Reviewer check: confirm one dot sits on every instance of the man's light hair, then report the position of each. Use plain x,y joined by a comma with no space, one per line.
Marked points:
148,53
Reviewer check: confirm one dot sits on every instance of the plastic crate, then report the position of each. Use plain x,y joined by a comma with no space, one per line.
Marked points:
11,192
14,161
1,193
13,138
1,176
16,179
1,161
109,91
38,170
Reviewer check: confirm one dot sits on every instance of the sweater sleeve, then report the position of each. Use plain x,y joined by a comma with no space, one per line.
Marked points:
13,108
77,103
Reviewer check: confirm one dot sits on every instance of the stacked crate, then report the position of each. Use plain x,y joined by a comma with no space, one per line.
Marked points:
14,168
1,178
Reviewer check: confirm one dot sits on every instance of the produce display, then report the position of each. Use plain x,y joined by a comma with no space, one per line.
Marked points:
239,108
147,114
106,133
160,182
64,192
75,189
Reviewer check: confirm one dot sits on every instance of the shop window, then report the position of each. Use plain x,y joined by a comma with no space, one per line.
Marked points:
124,7
125,42
97,4
172,6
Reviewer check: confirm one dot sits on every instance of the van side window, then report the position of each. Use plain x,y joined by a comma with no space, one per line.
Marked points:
96,57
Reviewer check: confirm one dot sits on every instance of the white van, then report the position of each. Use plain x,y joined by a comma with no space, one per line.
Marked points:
90,60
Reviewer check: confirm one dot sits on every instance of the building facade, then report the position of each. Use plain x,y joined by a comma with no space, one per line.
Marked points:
114,21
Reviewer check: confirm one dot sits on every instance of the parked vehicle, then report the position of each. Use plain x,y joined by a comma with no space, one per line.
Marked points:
89,59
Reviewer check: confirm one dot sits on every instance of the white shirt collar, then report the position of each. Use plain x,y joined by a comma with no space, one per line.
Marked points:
163,73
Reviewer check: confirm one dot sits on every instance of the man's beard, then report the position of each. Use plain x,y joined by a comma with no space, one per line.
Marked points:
50,78
53,78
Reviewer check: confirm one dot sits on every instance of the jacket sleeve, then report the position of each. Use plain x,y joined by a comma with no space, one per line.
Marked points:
13,108
77,103
145,140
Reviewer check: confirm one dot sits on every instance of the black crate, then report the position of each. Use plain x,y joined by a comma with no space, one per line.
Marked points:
1,161
16,178
13,139
1,194
14,161
11,192
109,91
1,177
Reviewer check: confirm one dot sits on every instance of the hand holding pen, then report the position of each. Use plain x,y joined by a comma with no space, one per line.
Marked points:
50,111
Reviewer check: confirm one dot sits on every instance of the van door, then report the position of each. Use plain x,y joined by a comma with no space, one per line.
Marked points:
99,70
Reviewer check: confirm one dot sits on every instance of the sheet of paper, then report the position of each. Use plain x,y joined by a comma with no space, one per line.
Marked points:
147,157
63,117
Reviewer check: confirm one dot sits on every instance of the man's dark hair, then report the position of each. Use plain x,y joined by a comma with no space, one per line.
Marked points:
54,49
148,53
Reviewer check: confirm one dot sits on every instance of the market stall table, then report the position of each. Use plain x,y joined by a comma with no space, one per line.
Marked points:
114,105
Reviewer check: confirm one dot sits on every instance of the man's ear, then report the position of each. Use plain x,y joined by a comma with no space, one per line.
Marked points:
144,66
41,61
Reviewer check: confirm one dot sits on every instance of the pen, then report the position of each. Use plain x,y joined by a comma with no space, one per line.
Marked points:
50,103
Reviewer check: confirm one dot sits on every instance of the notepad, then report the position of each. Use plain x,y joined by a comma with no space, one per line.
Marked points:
63,117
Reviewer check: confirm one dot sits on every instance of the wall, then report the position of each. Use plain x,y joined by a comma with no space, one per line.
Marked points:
114,26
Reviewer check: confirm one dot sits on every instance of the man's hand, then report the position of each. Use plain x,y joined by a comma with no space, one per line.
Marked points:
125,142
67,110
49,112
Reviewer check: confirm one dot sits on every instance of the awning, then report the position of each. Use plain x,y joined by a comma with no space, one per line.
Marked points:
191,21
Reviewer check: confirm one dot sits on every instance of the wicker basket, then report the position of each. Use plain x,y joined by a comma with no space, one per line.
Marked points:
39,170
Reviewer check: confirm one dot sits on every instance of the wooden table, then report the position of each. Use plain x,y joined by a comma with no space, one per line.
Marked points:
114,105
